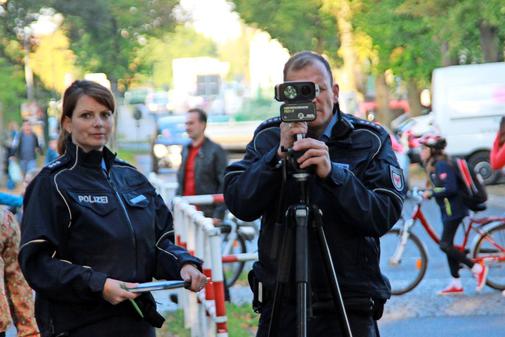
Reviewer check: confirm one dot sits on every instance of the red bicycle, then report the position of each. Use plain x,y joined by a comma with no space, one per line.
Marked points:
404,258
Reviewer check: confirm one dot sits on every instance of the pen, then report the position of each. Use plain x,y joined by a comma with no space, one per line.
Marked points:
135,305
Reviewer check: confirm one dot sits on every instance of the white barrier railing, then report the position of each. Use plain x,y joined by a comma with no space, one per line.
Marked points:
204,312
199,236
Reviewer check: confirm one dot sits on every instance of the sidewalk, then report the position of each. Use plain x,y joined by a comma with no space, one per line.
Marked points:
496,195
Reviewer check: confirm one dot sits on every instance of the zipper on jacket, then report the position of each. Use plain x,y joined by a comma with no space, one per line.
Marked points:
128,220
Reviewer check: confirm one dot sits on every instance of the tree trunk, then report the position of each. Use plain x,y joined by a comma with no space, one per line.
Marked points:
489,43
343,15
383,113
414,98
446,56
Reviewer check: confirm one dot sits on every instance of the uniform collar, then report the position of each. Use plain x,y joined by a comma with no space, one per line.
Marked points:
327,132
91,159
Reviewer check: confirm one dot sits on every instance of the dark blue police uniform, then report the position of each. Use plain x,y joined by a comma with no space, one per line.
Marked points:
89,217
361,199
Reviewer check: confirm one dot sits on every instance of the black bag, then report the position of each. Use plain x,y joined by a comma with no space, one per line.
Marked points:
472,185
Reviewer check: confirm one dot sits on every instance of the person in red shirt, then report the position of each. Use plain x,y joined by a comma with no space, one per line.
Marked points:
203,164
498,152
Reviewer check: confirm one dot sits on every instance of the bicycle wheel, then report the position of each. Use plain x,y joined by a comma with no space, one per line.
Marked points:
232,270
486,248
404,265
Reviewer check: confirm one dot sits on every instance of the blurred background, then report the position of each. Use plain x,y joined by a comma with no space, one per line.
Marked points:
162,57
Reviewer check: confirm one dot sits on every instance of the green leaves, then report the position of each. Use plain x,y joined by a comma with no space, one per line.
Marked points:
297,24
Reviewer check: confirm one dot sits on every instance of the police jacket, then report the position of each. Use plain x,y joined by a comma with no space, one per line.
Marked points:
446,191
361,199
210,164
88,217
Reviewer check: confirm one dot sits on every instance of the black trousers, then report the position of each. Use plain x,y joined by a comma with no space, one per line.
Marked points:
454,256
119,326
323,325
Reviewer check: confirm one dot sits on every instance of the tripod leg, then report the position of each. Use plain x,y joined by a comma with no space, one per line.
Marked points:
330,269
283,274
302,268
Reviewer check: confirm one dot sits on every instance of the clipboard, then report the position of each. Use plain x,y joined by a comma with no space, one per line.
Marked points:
158,285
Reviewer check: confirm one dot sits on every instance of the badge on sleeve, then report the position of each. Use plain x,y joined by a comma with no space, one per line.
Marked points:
397,178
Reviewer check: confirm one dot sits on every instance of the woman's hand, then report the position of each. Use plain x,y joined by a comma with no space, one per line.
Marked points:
114,293
190,273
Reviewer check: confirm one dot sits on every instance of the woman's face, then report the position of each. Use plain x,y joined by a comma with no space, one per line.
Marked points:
90,125
425,153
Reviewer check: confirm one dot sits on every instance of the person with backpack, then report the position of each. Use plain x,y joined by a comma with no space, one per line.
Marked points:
448,195
497,157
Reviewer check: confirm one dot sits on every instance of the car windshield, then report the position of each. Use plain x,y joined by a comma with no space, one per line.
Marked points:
160,98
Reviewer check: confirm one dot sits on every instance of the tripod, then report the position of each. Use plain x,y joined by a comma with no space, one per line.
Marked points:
296,220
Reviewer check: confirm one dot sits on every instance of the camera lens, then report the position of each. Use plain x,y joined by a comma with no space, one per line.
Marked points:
290,92
306,90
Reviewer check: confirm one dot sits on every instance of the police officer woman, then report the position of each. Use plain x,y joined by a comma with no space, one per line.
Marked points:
94,225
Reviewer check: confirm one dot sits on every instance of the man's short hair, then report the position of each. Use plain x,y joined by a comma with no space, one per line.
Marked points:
303,59
202,115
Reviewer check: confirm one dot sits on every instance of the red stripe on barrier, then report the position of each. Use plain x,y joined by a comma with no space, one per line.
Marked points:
178,240
218,198
220,306
191,251
209,287
230,258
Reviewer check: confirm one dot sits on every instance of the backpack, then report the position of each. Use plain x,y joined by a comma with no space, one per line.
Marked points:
472,185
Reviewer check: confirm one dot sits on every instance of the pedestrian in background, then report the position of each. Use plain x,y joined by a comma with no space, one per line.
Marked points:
443,177
94,226
497,156
52,151
27,147
203,164
16,297
10,150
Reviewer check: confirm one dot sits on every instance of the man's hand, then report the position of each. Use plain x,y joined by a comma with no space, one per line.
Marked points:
316,153
288,132
114,293
192,274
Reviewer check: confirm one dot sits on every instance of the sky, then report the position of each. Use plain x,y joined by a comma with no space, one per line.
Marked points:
214,18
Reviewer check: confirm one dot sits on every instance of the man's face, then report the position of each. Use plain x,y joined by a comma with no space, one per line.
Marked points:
328,94
194,127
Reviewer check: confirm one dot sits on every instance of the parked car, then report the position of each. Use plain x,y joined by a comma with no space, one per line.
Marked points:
158,102
167,142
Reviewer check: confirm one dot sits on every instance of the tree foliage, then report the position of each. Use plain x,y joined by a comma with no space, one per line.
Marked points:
297,24
107,35
158,53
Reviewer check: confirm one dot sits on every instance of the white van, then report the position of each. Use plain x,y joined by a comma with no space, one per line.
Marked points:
468,102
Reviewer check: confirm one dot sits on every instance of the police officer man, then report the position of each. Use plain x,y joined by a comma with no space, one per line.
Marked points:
358,185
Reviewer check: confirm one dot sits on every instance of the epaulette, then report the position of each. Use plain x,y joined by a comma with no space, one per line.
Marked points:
57,164
360,123
271,122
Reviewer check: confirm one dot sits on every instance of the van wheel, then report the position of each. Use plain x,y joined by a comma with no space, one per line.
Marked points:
480,162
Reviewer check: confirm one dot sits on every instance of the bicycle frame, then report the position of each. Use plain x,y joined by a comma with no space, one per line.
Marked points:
475,224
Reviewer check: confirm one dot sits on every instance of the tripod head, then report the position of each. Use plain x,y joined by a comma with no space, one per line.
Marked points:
293,169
